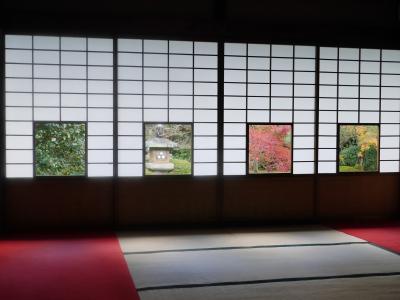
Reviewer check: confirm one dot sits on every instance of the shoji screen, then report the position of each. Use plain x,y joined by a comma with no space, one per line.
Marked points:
166,81
268,84
58,79
359,86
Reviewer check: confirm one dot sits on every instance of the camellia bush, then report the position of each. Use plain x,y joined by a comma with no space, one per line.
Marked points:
270,149
60,149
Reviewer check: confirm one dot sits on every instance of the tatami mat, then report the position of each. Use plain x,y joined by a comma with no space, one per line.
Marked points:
183,268
195,239
372,288
306,262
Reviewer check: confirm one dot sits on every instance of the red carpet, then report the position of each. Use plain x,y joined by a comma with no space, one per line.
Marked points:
386,235
64,268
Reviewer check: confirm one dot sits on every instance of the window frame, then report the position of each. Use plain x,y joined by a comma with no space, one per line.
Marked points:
247,151
144,175
338,148
35,176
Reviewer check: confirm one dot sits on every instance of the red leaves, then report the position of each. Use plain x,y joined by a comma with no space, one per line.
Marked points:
270,148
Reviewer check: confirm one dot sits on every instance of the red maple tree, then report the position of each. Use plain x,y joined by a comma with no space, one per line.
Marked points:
270,148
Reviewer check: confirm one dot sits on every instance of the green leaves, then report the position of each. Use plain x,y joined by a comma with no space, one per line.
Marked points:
60,149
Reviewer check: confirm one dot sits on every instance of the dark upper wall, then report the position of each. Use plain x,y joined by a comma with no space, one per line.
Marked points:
336,22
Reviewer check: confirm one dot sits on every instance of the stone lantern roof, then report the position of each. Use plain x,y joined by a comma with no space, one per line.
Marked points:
161,143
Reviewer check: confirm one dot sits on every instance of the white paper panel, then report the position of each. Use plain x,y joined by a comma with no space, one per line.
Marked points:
327,142
181,101
180,61
100,170
130,128
130,142
73,58
205,75
181,47
156,46
75,100
234,129
130,156
231,142
133,101
205,143
327,104
127,170
205,48
96,44
235,116
303,155
155,115
19,156
205,129
327,167
205,61
235,49
47,114
205,115
205,102
234,62
389,166
54,100
18,41
73,43
204,169
255,103
100,142
155,60
258,63
257,116
19,128
46,57
47,71
129,115
18,70
130,59
19,171
100,128
205,156
303,167
180,115
174,74
234,168
18,114
281,116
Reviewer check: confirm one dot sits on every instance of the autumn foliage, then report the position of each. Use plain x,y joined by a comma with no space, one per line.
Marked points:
270,148
358,147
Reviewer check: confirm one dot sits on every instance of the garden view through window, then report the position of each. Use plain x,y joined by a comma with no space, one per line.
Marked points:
60,149
168,148
358,148
269,148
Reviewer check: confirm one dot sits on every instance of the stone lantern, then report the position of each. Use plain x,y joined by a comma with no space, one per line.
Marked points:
159,155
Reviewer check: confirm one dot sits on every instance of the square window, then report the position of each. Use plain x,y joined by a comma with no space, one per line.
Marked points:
358,148
60,149
169,148
269,148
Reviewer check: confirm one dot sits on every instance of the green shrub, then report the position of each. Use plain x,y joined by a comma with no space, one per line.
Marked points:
349,155
181,167
182,154
370,159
